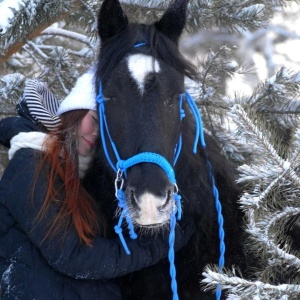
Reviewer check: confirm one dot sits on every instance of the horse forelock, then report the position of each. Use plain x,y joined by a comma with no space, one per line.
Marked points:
157,45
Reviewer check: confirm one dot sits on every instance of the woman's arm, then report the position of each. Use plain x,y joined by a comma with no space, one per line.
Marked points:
105,259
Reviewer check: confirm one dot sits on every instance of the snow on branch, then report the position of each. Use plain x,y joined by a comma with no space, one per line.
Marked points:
8,11
236,15
240,288
259,172
262,234
295,153
68,34
10,87
259,139
255,199
28,19
148,3
270,201
277,95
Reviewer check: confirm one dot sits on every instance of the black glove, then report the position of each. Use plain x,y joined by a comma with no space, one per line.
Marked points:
184,230
158,243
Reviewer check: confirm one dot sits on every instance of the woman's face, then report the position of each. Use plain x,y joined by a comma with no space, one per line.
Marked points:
87,133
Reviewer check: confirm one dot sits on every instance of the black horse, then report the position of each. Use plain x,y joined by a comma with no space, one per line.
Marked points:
140,75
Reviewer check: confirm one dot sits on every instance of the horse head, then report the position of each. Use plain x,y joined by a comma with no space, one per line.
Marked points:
140,76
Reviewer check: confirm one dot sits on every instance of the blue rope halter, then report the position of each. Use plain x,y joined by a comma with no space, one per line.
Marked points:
150,157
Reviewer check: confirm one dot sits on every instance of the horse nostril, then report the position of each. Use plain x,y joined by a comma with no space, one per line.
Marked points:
168,198
133,198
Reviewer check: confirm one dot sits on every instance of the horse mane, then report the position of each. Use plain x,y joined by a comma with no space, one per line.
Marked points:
158,46
193,177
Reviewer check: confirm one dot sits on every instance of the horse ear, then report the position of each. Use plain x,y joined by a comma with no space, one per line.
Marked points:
111,19
173,20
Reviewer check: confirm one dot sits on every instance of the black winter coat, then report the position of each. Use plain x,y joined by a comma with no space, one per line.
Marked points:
59,268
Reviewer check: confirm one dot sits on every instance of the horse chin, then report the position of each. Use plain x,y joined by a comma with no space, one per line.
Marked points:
154,226
150,223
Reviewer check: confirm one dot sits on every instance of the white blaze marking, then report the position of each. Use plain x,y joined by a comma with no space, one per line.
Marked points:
140,65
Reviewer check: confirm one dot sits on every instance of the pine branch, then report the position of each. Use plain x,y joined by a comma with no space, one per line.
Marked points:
69,34
268,207
258,138
29,21
11,87
235,16
243,289
33,16
262,235
294,156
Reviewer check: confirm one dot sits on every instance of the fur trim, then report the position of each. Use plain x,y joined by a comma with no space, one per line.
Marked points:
32,140
35,140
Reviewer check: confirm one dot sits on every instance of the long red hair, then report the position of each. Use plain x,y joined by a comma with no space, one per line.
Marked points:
60,159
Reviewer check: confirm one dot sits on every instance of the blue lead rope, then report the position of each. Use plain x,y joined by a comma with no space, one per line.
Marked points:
123,165
200,138
171,255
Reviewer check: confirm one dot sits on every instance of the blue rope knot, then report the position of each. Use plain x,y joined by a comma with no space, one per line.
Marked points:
120,165
182,114
99,97
177,199
118,228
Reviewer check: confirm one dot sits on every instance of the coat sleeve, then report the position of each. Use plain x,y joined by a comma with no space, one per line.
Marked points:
104,260
11,126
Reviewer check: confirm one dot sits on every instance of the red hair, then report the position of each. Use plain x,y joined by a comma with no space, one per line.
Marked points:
61,158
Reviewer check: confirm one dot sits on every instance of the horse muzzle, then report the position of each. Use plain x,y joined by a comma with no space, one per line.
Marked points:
148,209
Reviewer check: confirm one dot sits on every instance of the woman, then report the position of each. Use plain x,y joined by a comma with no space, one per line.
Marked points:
52,244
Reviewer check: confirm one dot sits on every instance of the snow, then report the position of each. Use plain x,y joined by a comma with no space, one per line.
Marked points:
286,165
7,8
272,79
149,3
257,9
231,65
6,277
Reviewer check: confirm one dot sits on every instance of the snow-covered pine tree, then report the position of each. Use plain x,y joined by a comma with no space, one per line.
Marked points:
271,190
56,41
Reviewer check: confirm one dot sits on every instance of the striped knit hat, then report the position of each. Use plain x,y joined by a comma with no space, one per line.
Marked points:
44,108
41,103
82,96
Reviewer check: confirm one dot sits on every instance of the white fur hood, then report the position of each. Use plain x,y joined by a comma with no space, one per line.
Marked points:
35,140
